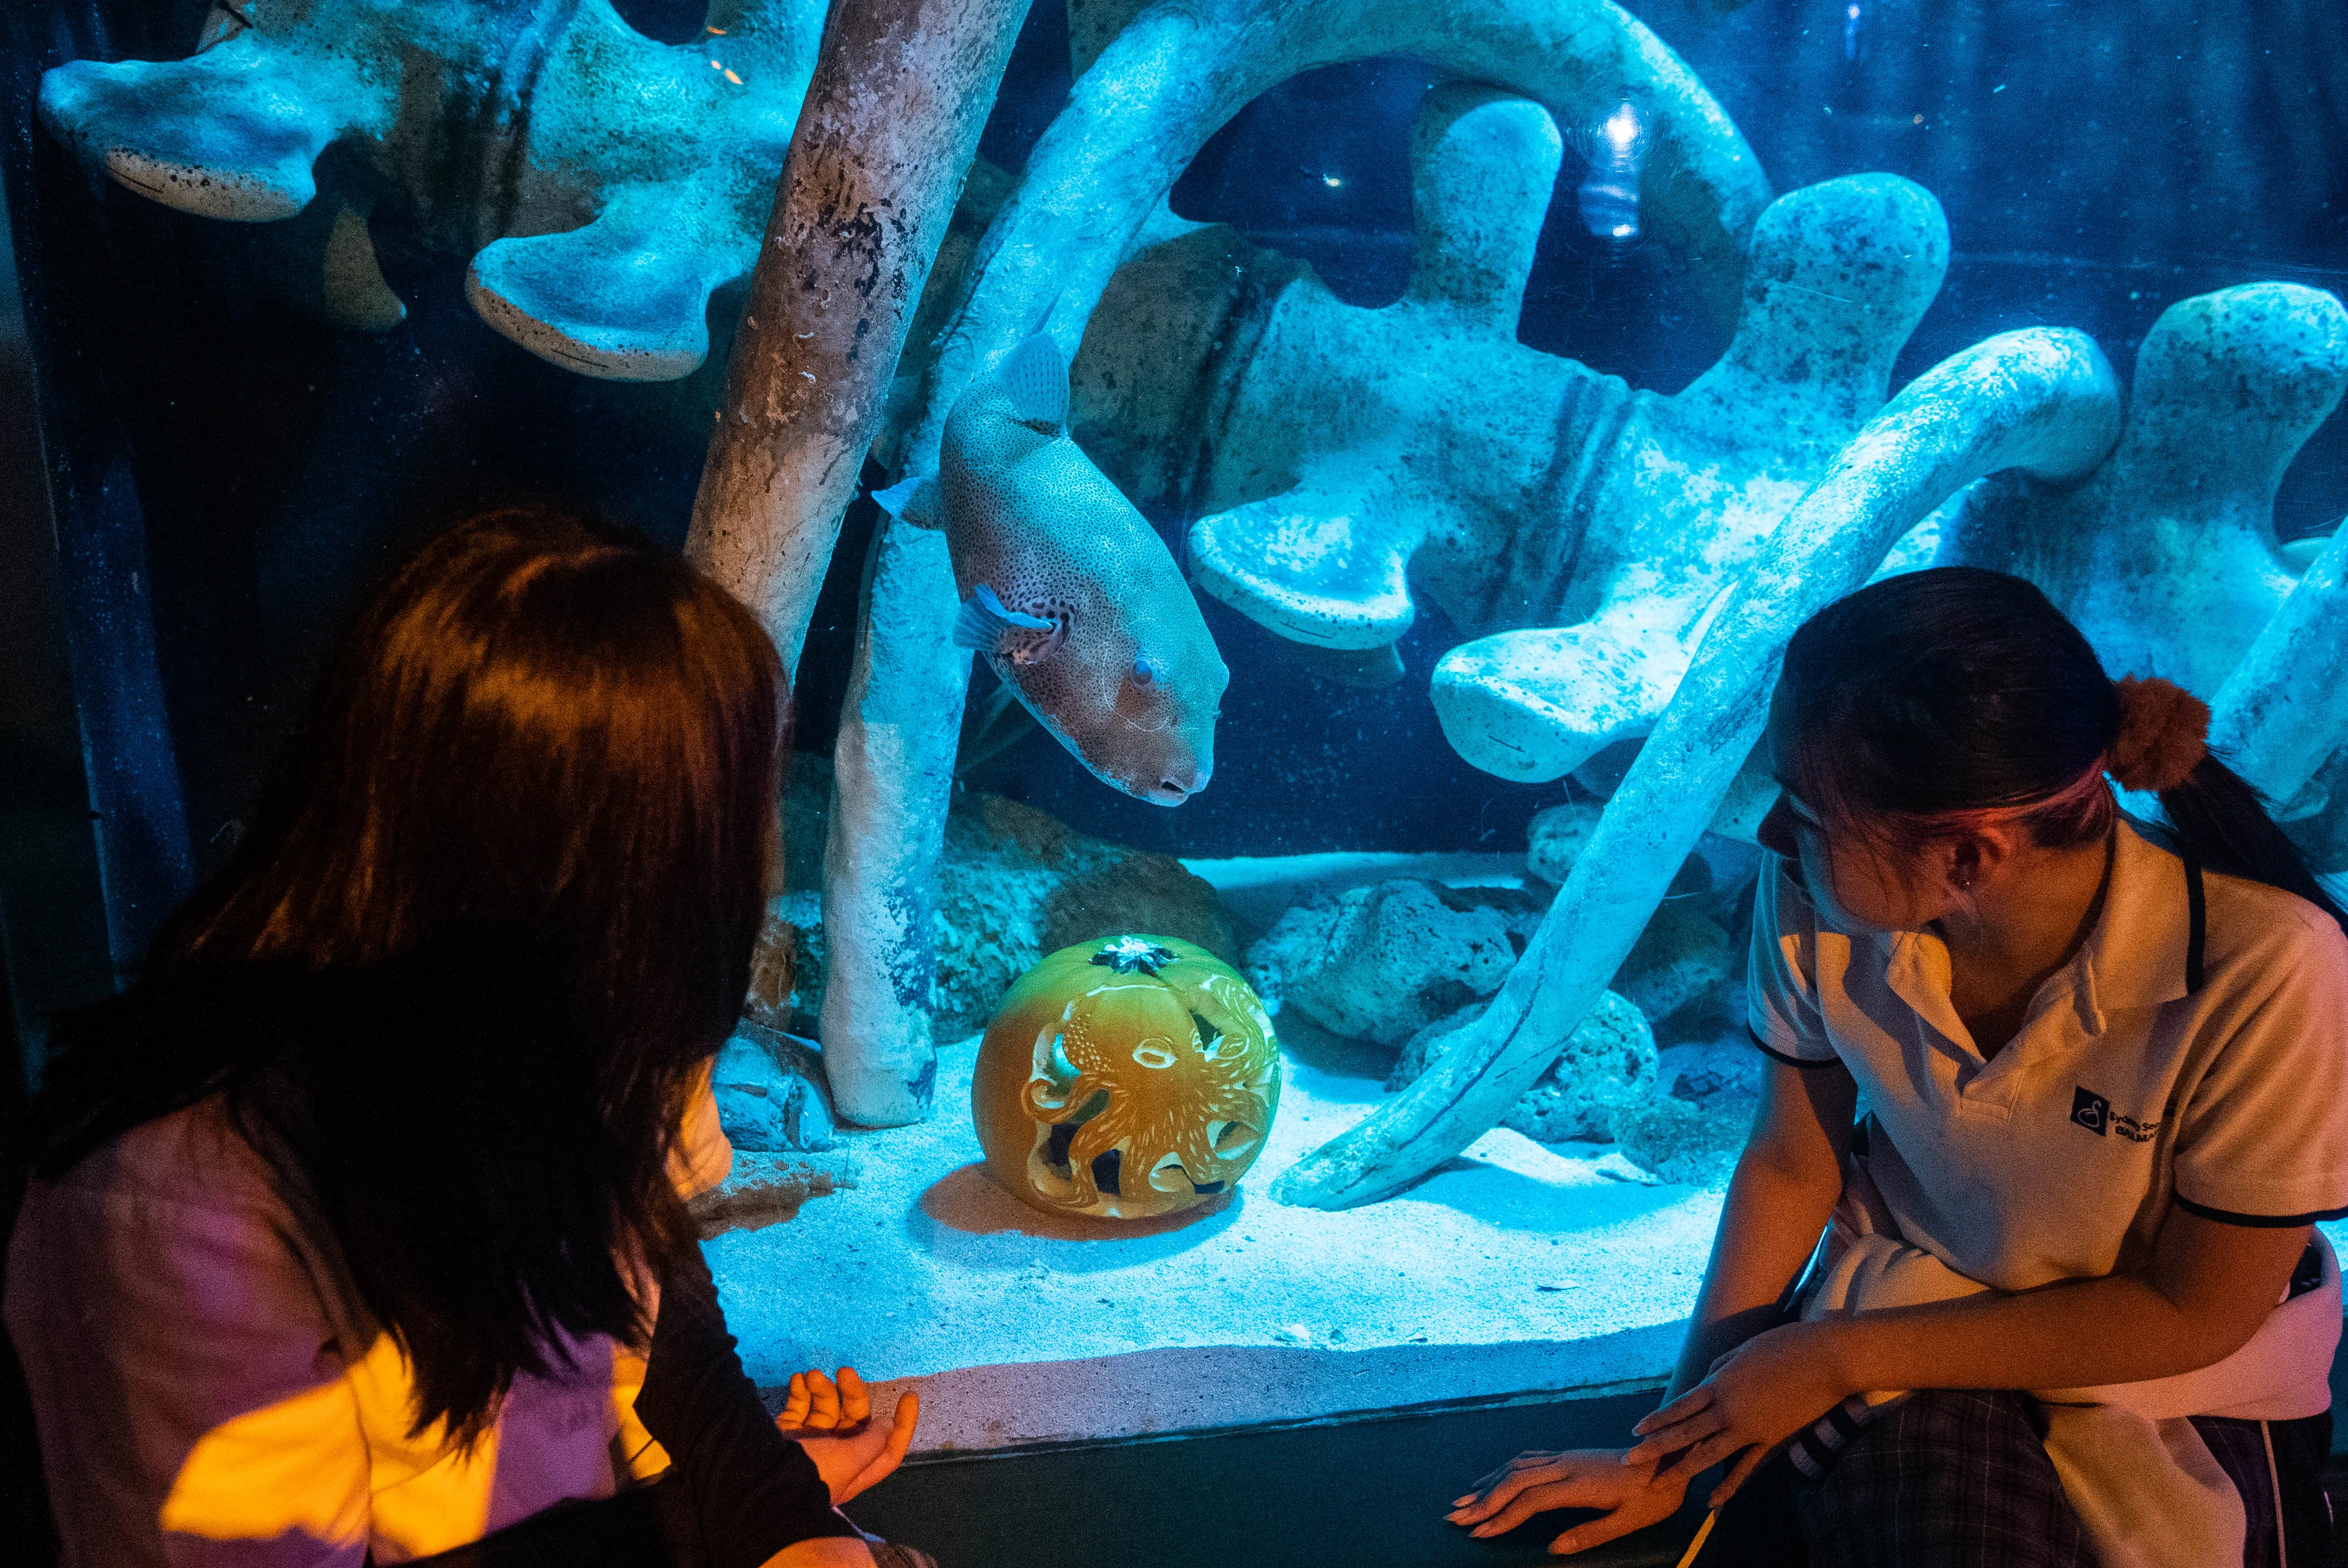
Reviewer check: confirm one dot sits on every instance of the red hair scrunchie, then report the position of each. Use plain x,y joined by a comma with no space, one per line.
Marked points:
2164,735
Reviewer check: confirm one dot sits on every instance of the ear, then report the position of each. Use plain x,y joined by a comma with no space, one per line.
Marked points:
1980,854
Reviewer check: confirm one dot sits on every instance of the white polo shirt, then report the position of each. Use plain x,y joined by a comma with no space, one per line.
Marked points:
2123,1090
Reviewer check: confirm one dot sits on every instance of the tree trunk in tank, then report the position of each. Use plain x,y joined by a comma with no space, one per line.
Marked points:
890,122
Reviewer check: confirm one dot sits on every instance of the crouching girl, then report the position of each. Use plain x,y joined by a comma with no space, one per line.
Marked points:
360,1232
2070,1306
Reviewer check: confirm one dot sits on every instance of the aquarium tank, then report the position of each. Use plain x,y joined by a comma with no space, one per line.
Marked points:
1281,601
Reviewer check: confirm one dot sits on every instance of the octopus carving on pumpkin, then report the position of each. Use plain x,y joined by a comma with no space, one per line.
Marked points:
1126,1079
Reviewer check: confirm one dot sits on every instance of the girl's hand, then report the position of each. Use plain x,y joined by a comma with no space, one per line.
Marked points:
1754,1398
832,1421
1629,1496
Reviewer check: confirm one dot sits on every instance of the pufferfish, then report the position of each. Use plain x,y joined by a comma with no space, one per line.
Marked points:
1071,596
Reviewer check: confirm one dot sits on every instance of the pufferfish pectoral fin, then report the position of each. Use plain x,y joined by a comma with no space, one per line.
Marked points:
912,500
984,620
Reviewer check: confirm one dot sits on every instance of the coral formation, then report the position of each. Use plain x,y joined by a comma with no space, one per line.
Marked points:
1608,1061
604,185
1354,463
1381,963
770,1093
2167,539
1013,884
769,1089
768,1189
1409,959
1556,835
1704,1072
1583,529
1678,1139
1684,974
1126,1079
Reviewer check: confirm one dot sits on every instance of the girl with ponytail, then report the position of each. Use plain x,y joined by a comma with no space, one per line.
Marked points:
2056,1297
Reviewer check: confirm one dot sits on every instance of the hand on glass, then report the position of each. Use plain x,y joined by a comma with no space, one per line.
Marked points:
1629,1496
1753,1399
833,1421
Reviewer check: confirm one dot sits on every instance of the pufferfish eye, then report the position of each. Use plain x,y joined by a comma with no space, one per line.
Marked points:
1148,672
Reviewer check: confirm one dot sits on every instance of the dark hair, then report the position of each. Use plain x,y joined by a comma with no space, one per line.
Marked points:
1931,700
495,909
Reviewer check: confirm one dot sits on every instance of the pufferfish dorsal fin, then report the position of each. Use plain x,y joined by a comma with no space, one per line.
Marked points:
985,617
912,500
1037,378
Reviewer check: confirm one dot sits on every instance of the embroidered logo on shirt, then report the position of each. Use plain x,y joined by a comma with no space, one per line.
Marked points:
2093,1112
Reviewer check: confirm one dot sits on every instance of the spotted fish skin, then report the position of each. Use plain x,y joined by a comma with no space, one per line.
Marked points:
1124,674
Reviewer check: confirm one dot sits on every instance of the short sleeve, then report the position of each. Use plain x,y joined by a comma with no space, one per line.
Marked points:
1781,977
2262,1136
190,1405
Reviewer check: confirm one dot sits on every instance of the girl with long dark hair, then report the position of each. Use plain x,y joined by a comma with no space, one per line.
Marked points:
2069,1306
358,1232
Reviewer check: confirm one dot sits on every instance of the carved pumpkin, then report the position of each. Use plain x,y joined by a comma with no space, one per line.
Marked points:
1126,1078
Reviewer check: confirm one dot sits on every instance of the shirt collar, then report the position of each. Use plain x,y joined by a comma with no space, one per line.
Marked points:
2135,958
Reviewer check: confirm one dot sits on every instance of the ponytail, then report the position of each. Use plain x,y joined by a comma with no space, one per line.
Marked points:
2163,749
2220,818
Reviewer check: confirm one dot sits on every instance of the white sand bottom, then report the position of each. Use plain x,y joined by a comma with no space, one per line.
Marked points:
1516,1271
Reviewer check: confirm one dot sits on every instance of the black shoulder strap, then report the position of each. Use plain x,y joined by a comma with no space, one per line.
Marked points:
2196,915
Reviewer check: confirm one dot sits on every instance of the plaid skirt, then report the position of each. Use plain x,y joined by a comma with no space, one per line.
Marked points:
1959,1478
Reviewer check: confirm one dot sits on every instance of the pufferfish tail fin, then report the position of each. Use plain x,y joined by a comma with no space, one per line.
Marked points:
912,500
1037,378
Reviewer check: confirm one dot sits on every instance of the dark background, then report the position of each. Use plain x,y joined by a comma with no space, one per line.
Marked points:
228,474
197,482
